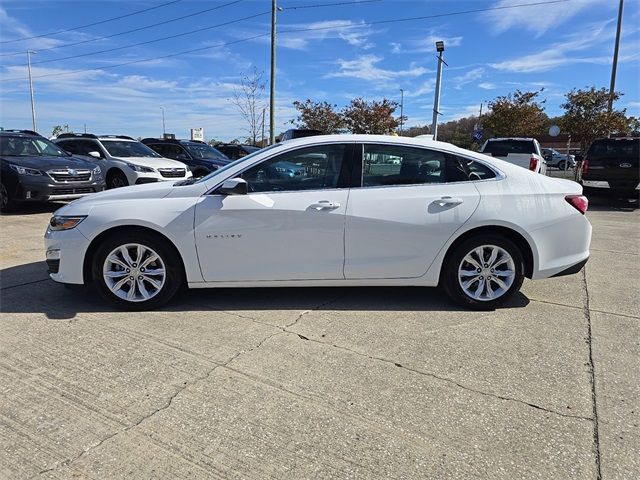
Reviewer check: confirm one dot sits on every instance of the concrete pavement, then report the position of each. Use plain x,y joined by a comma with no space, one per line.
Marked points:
323,383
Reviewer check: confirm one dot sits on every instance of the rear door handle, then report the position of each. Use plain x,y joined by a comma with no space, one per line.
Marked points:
448,201
325,205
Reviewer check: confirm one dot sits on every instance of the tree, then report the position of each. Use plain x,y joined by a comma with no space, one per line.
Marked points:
248,97
318,116
586,116
459,132
370,117
517,114
58,129
416,130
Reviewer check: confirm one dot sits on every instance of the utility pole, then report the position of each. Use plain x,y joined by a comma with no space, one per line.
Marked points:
401,110
163,128
272,82
33,105
264,112
615,58
436,102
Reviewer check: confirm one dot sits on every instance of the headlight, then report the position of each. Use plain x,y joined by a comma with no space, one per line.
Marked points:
139,168
25,170
97,171
59,222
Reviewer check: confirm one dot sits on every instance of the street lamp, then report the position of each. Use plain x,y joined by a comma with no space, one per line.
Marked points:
401,110
436,102
163,129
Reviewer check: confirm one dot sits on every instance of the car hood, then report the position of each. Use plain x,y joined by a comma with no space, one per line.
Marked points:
153,162
49,162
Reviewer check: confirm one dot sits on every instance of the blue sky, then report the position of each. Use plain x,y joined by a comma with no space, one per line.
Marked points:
343,52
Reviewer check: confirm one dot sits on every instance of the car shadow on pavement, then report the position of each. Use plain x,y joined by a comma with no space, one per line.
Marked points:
27,289
612,204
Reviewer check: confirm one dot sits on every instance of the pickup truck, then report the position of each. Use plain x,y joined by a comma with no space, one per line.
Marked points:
524,152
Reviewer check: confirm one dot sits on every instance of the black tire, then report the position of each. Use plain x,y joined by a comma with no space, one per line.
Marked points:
453,262
117,179
561,165
6,204
174,276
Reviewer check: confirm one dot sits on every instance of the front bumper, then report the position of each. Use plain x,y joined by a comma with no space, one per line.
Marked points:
139,178
43,189
65,252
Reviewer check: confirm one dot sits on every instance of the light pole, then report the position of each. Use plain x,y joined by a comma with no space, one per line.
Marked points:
436,102
163,129
401,110
272,81
615,57
33,105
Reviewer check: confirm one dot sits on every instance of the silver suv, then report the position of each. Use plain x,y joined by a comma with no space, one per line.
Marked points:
123,160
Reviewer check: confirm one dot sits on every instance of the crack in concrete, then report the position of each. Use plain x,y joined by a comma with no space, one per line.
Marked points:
592,374
399,365
444,379
23,284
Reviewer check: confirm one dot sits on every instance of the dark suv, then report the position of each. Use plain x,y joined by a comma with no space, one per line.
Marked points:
200,157
611,166
235,151
33,169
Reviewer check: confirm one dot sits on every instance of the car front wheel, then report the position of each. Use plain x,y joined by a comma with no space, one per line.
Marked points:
484,272
137,271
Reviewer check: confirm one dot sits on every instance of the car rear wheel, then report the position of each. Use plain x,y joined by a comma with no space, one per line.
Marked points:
561,165
117,180
484,272
137,271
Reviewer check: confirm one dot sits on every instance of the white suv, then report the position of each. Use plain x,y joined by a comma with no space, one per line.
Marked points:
125,161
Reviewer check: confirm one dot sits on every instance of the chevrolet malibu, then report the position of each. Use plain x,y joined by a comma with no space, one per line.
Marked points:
361,210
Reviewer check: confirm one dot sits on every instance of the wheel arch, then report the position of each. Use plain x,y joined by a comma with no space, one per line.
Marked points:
516,237
93,247
114,171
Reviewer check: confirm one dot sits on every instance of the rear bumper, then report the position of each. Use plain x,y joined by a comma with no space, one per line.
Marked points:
572,269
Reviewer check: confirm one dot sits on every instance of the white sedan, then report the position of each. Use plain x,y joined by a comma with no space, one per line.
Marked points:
340,210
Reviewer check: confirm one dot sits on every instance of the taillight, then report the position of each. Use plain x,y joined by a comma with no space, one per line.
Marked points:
579,202
585,165
533,164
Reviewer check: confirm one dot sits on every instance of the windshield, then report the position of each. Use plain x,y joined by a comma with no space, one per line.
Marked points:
29,147
203,151
234,163
250,149
123,148
503,148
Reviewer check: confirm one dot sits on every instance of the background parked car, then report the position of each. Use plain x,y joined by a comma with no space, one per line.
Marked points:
200,157
611,166
234,151
524,152
556,159
32,169
299,133
124,160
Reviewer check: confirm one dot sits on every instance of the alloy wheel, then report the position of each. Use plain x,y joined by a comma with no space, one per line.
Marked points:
486,273
134,272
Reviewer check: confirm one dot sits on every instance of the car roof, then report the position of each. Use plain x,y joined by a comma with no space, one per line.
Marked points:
510,138
366,138
20,133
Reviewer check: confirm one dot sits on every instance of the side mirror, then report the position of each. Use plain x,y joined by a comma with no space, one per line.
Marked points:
94,154
234,186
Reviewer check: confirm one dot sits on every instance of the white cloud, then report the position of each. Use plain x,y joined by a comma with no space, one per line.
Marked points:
537,19
470,76
487,86
300,36
364,68
423,89
426,43
566,52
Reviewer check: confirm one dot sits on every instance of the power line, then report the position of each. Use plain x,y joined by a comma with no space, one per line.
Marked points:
147,42
40,50
294,31
170,55
92,24
331,4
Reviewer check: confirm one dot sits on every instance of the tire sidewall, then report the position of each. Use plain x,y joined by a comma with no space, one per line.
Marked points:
450,271
174,271
113,177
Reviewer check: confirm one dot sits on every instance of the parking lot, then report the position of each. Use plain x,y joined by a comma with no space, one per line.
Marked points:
323,383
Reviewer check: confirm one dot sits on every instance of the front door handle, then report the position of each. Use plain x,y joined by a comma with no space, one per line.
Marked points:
325,205
448,201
